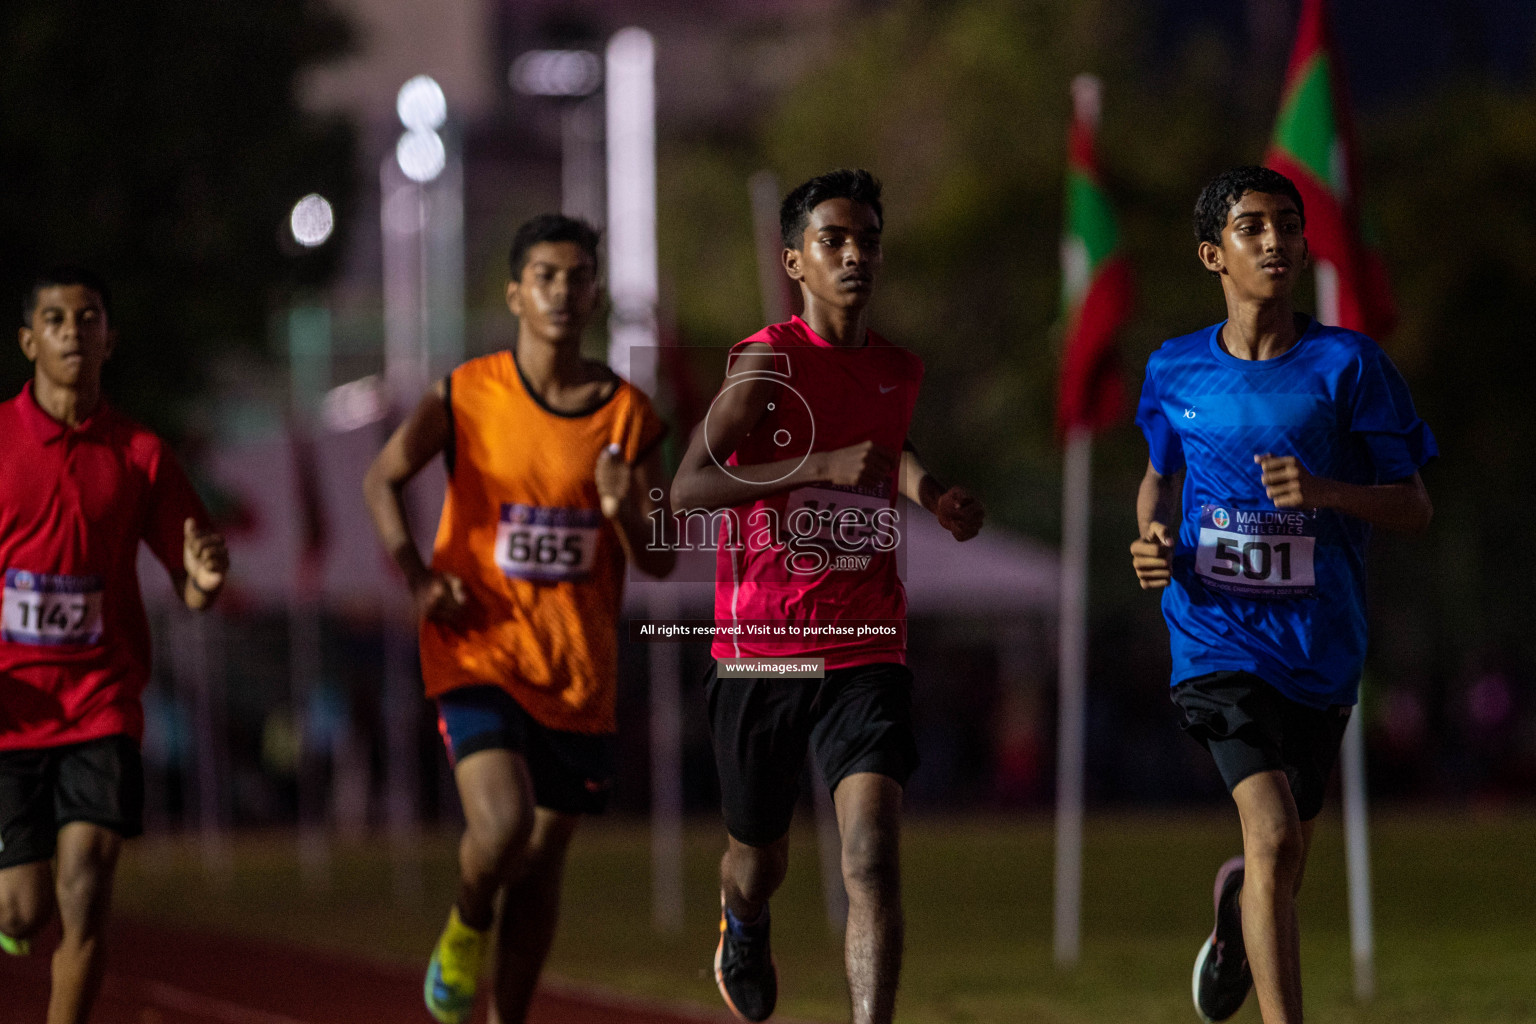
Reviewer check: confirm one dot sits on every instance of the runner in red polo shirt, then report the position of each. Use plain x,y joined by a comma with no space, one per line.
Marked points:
80,486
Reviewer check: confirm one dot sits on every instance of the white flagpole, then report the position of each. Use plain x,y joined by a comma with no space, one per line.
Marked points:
1072,649
1073,693
630,102
1357,857
1357,844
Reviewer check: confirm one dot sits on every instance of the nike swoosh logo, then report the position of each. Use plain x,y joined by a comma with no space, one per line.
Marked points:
887,390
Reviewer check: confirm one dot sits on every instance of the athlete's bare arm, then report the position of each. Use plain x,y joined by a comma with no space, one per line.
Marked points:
439,596
1152,551
205,560
702,484
625,493
1403,505
956,508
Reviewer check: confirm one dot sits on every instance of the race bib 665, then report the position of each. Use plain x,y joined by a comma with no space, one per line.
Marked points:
547,544
51,609
1257,553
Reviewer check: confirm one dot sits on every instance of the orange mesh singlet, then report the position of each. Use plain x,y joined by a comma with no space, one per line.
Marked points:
522,527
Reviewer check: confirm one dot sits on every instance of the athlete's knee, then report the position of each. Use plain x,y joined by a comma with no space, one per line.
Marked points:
83,886
549,841
25,906
1273,851
871,863
501,834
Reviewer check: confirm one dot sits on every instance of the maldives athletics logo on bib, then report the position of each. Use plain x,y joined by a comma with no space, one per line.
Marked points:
1264,553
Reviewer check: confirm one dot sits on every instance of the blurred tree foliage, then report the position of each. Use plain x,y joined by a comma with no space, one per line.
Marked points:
1449,180
961,108
162,143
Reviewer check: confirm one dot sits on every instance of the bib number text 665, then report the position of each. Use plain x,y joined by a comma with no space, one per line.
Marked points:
539,547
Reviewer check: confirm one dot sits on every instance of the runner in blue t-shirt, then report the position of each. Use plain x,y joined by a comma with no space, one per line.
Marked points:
1293,439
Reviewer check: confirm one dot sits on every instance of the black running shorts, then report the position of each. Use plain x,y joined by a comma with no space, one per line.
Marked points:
857,719
43,789
1250,727
572,772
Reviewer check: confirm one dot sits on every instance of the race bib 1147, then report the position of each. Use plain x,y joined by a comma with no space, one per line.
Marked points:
51,609
550,545
1256,553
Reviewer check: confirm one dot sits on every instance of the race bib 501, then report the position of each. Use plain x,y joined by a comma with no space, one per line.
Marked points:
51,610
547,544
1257,553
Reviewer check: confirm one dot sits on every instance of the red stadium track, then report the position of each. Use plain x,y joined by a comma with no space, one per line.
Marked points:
164,976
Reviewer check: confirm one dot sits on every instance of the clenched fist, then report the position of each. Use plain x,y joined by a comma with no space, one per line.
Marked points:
960,513
865,464
1152,557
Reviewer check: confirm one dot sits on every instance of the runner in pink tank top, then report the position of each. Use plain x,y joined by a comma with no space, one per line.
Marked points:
823,554
801,457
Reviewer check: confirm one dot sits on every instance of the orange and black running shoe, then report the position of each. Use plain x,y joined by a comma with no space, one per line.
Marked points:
744,968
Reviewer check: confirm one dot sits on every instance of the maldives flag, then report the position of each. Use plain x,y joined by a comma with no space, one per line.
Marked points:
1096,280
1314,146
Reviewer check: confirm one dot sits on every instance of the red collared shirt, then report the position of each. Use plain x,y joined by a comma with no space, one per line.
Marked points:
74,504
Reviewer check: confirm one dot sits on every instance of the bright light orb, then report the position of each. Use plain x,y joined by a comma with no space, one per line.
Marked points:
421,155
556,73
312,220
421,104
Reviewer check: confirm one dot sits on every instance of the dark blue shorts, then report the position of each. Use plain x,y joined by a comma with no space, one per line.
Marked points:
572,772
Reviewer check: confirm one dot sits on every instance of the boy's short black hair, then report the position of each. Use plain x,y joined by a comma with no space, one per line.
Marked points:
1217,198
856,184
62,276
550,227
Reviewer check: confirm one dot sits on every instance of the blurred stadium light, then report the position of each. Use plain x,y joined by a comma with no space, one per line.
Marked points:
354,404
631,136
421,104
421,212
556,73
422,216
312,220
421,155
576,77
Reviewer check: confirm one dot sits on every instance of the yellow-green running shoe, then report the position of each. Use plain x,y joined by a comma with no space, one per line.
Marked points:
15,947
454,971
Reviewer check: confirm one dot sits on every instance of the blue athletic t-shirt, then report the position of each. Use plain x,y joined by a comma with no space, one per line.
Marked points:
1275,592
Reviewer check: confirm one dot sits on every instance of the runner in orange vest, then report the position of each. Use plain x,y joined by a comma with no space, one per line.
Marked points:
552,462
